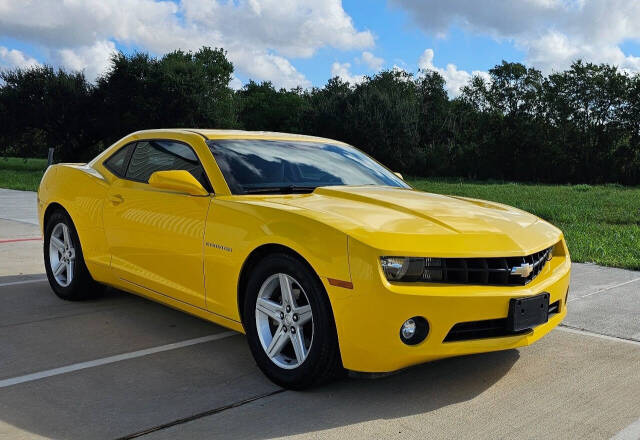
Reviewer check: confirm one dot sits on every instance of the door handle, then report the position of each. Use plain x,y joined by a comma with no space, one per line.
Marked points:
116,199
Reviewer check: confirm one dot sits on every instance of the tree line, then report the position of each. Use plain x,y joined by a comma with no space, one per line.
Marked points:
581,125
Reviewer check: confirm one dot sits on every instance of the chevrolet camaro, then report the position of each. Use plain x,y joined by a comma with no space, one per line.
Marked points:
324,258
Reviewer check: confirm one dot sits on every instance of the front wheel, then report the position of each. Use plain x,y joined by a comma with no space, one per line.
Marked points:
289,323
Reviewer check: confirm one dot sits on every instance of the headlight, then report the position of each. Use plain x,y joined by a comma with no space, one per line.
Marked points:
411,268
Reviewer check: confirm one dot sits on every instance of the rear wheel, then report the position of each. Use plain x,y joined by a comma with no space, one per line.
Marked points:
63,260
289,323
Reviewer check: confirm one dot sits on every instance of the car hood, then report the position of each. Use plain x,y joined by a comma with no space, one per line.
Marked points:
417,223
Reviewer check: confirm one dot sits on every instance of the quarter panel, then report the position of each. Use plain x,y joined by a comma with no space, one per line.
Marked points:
80,190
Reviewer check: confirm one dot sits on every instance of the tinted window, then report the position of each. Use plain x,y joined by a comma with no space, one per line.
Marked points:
118,161
280,166
152,156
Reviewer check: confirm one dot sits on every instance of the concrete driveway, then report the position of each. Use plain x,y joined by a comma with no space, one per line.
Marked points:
124,367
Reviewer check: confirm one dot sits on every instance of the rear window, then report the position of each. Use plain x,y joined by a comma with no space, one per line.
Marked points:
117,163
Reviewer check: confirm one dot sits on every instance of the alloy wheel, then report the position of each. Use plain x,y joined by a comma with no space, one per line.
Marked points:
62,254
284,321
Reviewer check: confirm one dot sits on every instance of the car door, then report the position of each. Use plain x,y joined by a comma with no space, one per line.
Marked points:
156,236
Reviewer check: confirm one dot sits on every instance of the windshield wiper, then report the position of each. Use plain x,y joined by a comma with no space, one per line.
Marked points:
289,189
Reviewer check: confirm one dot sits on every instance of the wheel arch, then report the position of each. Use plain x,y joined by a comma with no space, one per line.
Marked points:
255,256
84,240
51,208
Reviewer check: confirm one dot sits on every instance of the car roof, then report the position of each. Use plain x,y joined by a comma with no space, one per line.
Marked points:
213,134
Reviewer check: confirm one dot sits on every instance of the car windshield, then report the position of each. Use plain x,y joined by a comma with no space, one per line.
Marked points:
268,166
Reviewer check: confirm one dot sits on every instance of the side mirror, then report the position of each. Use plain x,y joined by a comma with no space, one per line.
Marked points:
399,175
179,181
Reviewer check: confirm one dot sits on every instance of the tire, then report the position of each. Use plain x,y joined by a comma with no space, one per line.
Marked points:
80,286
322,361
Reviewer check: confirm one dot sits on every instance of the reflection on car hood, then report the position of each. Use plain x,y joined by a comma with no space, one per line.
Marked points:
419,223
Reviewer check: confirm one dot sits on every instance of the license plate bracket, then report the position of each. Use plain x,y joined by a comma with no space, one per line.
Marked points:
528,312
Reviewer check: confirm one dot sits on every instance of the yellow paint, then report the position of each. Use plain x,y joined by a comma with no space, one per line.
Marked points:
180,181
161,241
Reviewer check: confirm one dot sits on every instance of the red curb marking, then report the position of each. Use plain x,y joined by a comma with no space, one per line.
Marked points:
13,240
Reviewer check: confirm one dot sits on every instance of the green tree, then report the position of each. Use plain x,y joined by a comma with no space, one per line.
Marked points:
262,107
42,108
509,136
383,118
326,110
437,149
628,154
585,104
577,125
181,89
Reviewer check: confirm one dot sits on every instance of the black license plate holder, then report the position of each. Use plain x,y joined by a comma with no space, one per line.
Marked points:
526,313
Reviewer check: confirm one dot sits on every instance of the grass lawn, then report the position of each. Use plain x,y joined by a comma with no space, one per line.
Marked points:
18,173
601,223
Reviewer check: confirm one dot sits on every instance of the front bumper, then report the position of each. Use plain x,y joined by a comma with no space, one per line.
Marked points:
369,316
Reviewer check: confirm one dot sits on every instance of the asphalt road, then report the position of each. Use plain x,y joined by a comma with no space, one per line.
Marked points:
122,366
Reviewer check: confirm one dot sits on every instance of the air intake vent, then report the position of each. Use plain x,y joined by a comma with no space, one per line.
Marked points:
490,328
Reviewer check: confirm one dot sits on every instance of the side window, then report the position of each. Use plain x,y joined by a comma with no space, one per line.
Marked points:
152,156
118,160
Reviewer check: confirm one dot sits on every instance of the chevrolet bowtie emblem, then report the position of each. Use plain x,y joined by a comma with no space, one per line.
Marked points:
524,270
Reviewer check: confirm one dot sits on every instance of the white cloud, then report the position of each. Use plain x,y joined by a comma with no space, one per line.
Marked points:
342,70
552,33
266,66
260,35
296,28
499,17
235,83
556,51
455,78
93,60
12,58
373,62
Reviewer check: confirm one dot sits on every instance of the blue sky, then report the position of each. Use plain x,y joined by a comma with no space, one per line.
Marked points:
400,41
306,42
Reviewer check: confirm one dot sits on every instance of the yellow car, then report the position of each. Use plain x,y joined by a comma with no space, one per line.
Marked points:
324,258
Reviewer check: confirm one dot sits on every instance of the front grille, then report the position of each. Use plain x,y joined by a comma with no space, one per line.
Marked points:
493,271
489,328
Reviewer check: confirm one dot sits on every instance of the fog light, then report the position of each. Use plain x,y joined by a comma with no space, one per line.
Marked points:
414,330
408,329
